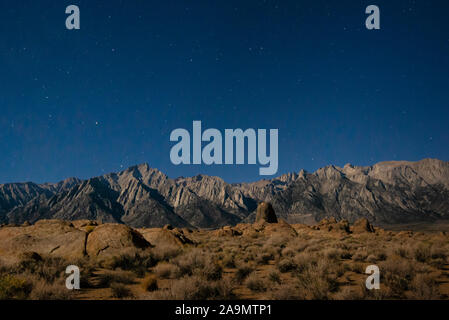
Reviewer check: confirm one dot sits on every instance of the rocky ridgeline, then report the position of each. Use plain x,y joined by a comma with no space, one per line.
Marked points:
143,197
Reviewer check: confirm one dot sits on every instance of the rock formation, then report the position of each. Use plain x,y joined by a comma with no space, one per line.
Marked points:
265,213
46,237
361,226
113,239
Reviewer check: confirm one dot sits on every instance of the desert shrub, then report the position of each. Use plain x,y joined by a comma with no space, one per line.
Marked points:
298,245
438,253
167,270
150,283
381,256
43,290
108,278
191,260
304,261
288,252
286,291
340,269
46,268
277,241
14,288
224,289
229,261
166,252
286,265
136,261
360,256
422,253
211,271
254,283
346,254
265,258
396,275
196,288
438,263
401,251
250,253
316,286
120,291
255,235
243,272
424,287
357,268
274,276
333,253
319,282
348,293
86,274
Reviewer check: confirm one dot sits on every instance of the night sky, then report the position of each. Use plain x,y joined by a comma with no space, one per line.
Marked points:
91,101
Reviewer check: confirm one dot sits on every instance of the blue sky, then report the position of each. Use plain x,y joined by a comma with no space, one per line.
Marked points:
91,101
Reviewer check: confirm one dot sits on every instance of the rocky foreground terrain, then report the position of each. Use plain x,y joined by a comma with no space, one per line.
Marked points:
141,197
267,259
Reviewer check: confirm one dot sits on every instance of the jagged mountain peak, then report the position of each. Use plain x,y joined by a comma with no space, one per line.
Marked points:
387,192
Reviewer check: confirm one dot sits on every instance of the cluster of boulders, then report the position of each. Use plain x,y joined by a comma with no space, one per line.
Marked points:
332,225
85,238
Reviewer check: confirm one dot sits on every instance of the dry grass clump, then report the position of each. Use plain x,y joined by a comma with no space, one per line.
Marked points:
317,281
196,288
243,272
43,290
285,291
422,253
35,277
424,287
211,272
108,278
333,253
360,255
167,271
286,265
349,293
45,268
150,283
137,261
288,252
120,291
165,252
274,276
12,287
357,268
191,260
228,259
255,283
401,251
277,241
264,258
297,245
396,274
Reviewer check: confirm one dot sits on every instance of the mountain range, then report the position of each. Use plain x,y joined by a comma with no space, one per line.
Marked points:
140,196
